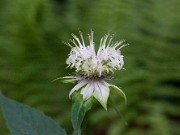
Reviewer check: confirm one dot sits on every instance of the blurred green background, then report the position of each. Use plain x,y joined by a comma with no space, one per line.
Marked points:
32,55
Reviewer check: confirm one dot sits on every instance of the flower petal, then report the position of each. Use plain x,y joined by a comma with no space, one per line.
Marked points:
77,87
118,91
87,91
101,93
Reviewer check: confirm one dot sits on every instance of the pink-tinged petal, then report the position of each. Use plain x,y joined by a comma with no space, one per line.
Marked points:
87,91
101,93
77,87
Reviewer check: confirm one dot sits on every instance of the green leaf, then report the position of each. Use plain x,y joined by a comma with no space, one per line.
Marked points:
23,120
66,79
79,110
77,115
118,91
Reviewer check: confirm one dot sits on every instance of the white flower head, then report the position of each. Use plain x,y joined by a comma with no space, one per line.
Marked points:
93,67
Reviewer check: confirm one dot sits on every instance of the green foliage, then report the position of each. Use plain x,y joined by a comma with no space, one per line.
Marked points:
118,91
23,120
79,109
32,55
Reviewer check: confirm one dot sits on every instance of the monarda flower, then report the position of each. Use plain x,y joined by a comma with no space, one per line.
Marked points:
94,68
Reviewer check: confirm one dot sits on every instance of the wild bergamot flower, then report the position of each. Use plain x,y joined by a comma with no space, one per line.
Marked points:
94,68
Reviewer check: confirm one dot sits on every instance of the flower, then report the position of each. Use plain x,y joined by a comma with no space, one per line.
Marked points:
93,68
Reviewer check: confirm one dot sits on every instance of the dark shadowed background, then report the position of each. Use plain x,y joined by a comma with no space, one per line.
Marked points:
32,55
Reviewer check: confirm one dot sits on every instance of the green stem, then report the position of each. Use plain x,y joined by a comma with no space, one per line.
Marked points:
77,132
